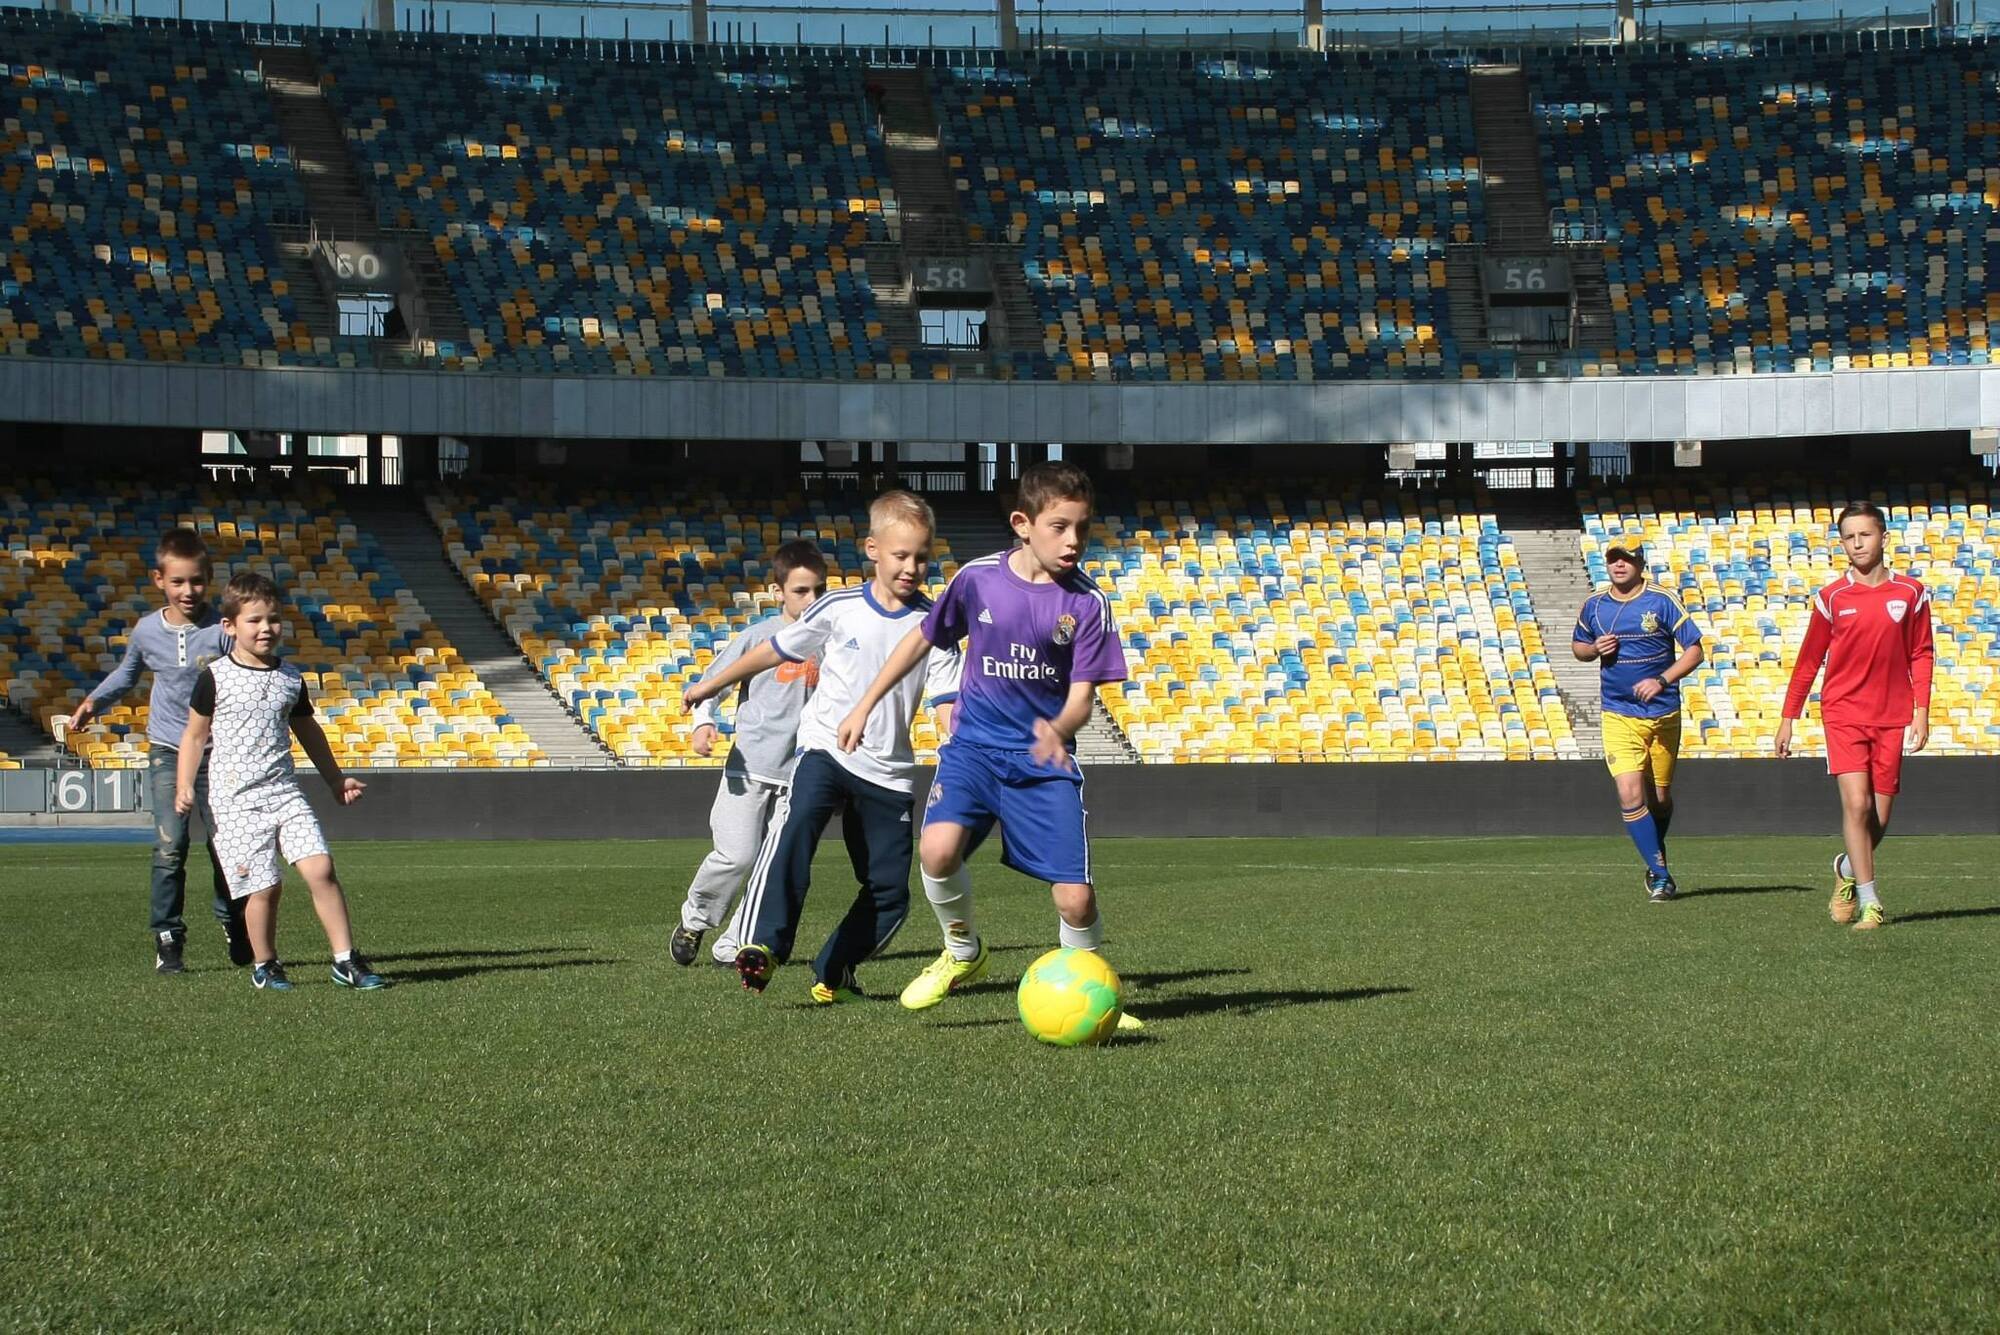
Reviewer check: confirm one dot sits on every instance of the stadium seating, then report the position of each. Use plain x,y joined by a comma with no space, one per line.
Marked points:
74,579
1209,219
1774,207
650,211
1746,559
140,169
621,600
1324,623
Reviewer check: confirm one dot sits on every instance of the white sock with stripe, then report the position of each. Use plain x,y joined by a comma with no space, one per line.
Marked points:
951,900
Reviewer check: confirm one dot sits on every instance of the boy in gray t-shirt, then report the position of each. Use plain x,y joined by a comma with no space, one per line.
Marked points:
759,768
174,644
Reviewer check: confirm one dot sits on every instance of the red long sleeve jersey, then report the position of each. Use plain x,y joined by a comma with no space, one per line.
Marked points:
1876,643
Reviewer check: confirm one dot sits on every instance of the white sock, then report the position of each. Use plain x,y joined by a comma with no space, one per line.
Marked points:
342,957
1866,891
1080,938
951,900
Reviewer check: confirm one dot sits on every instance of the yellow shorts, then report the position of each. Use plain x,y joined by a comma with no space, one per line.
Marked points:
1634,745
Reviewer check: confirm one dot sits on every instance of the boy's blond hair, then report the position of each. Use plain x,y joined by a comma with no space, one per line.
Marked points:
899,507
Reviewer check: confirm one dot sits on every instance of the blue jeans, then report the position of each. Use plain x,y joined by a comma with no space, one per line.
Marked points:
170,846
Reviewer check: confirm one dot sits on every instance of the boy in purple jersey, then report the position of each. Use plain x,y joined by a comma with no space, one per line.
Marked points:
1039,638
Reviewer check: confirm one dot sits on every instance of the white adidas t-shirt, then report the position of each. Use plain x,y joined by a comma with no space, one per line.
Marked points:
853,636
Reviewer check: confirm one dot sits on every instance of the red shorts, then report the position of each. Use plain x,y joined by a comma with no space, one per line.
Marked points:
1877,752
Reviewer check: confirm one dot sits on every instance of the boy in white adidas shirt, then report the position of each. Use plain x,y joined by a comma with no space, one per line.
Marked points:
852,632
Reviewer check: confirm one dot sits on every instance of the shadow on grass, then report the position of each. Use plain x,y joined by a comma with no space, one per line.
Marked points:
1944,915
1175,976
1745,890
932,954
1249,1003
452,973
467,953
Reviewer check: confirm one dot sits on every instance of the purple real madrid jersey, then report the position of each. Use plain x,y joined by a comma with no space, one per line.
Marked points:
1024,644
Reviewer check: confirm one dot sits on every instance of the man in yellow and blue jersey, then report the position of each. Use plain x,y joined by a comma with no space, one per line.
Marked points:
1645,644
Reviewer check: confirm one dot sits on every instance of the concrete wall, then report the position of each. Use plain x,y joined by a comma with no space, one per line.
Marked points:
425,403
1941,796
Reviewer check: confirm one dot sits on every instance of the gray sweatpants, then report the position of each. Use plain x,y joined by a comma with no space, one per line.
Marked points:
739,822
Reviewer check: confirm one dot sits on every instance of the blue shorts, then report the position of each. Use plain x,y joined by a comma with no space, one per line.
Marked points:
1040,810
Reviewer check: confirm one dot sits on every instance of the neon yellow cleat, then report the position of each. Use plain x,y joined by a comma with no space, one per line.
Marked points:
1871,918
845,990
943,976
1841,906
1128,1023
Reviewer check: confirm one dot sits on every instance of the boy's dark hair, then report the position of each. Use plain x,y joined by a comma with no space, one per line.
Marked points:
248,587
1045,484
796,555
1862,510
180,544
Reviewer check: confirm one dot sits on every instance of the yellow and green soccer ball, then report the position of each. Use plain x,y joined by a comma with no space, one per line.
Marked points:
1069,998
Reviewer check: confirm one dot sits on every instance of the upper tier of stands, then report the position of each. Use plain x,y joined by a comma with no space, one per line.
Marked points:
687,214
1746,560
1278,218
1321,622
622,600
139,172
75,577
640,208
1777,208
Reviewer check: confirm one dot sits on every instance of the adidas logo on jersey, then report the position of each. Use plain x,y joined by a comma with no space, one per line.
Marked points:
852,643
985,616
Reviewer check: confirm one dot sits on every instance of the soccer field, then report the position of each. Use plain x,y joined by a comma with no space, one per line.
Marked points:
1383,1082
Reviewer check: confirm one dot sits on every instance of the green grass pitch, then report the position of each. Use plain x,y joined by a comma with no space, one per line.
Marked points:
1384,1083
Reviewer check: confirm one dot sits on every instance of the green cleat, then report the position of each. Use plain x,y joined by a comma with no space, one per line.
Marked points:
1871,918
943,976
1841,906
1128,1023
844,990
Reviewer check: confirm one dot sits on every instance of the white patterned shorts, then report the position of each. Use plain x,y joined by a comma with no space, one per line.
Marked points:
249,842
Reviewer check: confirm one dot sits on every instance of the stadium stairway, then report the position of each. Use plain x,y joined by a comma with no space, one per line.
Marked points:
408,537
930,221
1558,584
1510,158
326,171
21,740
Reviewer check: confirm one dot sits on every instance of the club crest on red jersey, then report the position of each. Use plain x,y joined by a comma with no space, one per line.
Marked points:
1897,607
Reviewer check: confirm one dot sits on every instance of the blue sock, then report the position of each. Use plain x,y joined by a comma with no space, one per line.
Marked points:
1645,834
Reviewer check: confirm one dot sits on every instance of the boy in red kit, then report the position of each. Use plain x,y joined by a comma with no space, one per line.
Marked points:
1872,627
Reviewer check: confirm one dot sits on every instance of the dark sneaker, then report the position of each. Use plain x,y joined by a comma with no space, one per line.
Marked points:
1661,889
270,977
237,938
167,954
755,965
354,972
684,945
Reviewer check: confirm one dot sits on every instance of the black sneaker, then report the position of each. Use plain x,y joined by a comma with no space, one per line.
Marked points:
167,954
237,937
1661,889
354,972
684,945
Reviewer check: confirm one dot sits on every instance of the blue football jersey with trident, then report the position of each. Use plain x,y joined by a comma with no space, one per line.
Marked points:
1652,629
